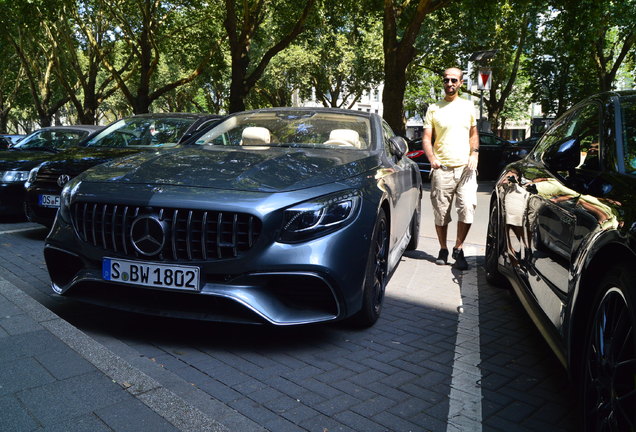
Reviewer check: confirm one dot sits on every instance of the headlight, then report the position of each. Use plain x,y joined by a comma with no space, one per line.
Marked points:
14,176
66,198
319,216
31,177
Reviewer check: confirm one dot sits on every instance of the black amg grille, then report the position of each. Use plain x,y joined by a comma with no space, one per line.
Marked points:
190,234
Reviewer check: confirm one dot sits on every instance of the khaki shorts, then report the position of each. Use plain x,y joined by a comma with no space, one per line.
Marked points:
448,183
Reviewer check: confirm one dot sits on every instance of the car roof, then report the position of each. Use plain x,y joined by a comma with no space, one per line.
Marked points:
311,109
175,114
89,128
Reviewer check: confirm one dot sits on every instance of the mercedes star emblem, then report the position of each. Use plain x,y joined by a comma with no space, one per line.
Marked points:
63,179
147,234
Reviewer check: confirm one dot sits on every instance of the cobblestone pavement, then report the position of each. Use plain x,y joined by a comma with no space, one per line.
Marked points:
450,353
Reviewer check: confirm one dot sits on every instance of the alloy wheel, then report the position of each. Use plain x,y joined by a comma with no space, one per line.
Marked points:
610,366
380,272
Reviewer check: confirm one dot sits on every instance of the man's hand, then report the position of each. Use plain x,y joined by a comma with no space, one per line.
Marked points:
435,163
472,161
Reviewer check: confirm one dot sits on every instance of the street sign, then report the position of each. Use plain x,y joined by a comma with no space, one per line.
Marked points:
484,79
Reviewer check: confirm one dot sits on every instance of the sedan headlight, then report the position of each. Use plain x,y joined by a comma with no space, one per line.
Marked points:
14,176
319,216
31,177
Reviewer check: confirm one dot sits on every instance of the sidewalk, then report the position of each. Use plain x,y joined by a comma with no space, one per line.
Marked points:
54,377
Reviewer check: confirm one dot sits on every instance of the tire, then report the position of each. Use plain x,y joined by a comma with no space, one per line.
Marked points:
376,276
493,248
415,227
608,370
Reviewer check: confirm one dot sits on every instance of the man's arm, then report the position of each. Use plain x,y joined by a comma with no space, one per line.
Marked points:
474,148
428,148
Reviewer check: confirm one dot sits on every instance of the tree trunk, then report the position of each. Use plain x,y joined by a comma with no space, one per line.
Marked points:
238,89
4,120
398,54
393,99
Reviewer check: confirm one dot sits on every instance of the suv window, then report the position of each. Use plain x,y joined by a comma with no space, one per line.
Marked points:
582,123
628,108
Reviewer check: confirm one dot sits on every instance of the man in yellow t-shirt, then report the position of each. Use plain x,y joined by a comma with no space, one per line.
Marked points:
453,161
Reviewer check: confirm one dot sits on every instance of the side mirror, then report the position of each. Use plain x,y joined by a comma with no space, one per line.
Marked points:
398,146
564,156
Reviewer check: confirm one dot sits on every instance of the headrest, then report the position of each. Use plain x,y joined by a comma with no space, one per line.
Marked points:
345,135
254,135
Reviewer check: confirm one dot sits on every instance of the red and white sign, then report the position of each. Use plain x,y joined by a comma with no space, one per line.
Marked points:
484,79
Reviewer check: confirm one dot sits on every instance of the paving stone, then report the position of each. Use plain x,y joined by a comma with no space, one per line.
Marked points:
22,374
337,404
14,417
82,395
359,423
322,423
64,363
132,415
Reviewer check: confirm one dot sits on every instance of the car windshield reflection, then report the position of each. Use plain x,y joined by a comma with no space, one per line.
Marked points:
304,129
143,132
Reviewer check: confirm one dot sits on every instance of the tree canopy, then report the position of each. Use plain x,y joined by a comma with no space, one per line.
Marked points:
91,61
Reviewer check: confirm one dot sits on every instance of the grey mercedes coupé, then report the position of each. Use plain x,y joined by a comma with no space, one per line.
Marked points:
283,216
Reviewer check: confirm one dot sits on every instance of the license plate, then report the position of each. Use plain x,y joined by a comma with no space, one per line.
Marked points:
49,201
151,274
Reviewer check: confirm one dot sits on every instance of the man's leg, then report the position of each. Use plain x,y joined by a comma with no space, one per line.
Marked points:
441,198
442,232
462,233
442,257
466,202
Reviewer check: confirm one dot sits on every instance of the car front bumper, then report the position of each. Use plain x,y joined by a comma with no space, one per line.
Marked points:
278,283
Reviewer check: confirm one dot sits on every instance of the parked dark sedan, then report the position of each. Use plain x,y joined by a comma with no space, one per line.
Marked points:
19,159
281,216
491,156
562,231
144,132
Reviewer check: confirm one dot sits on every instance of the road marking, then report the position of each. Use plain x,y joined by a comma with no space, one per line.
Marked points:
464,411
21,230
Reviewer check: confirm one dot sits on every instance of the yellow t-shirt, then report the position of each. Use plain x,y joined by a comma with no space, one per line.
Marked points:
451,123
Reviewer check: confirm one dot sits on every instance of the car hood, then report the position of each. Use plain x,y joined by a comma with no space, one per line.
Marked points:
264,170
23,160
76,161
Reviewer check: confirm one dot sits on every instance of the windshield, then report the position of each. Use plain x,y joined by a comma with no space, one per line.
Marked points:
51,139
628,106
143,132
301,128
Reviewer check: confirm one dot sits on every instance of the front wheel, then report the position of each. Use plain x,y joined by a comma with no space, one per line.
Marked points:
493,243
376,275
415,227
608,373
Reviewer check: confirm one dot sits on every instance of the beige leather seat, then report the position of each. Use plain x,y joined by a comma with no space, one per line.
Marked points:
255,136
344,137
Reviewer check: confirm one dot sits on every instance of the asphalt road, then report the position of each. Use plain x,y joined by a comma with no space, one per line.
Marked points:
450,352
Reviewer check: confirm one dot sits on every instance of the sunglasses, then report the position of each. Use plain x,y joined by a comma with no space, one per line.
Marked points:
453,80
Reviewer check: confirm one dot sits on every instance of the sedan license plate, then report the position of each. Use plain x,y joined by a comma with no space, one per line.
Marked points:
49,201
155,275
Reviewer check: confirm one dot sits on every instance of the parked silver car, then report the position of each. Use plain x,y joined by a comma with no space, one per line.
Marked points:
285,216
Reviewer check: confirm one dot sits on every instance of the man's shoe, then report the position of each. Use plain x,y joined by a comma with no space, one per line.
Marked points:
442,257
460,261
